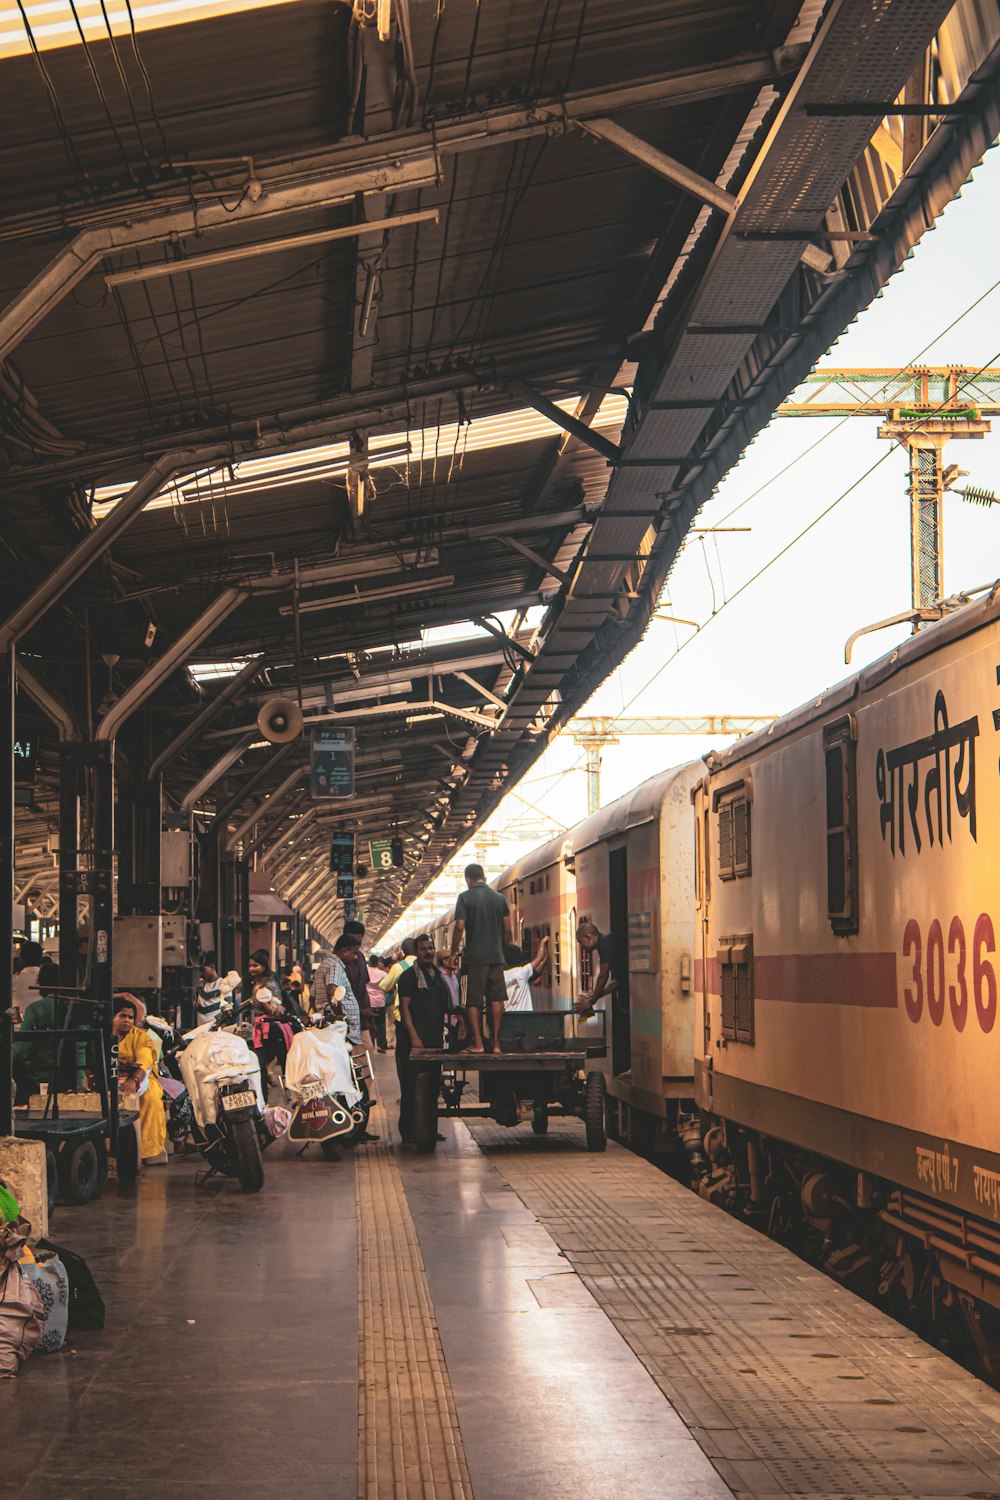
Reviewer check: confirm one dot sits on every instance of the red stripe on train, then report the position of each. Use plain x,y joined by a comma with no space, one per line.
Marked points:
862,979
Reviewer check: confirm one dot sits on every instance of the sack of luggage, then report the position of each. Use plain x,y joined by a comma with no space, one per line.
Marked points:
51,1281
20,1303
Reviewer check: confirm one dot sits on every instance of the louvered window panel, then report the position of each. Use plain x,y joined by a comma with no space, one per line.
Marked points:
734,838
736,986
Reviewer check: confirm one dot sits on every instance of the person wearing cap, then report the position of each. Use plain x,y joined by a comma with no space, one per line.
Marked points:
138,1076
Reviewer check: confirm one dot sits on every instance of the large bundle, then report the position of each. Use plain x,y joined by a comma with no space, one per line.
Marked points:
213,1057
321,1056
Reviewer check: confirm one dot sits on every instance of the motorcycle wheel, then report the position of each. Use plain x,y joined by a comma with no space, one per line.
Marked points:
331,1149
363,1106
246,1147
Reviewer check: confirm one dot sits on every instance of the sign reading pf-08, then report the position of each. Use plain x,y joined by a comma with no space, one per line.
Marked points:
948,973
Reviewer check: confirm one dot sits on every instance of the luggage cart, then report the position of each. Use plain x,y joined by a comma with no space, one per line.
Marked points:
78,1142
543,1070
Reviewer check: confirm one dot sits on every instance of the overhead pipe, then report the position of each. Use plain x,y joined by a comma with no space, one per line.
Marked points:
269,802
253,782
302,822
197,724
219,768
179,651
267,825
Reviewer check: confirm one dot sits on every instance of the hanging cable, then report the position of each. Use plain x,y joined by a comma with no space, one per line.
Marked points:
72,155
100,91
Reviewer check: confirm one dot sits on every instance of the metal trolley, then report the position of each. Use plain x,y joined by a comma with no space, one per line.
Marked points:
543,1070
78,1142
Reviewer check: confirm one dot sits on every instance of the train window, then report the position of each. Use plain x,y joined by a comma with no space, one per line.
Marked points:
586,964
736,981
734,837
841,771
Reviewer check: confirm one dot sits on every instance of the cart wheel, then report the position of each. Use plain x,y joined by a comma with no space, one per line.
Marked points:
425,1112
593,1111
127,1157
79,1169
540,1119
52,1176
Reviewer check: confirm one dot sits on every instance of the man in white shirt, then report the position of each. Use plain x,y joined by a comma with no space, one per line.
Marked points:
519,976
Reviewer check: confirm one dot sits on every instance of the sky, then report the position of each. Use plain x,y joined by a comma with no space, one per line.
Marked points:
782,641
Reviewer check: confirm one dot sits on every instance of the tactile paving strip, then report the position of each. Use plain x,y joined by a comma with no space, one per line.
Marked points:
789,1383
409,1443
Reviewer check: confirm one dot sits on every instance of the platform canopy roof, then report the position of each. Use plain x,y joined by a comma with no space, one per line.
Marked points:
429,349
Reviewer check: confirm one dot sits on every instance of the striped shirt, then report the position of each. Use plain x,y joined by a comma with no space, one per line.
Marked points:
330,975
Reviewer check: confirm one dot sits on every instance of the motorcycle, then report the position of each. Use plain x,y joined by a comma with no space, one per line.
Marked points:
327,1086
224,1110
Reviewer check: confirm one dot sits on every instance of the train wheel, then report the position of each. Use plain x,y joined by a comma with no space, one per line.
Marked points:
425,1112
593,1111
540,1119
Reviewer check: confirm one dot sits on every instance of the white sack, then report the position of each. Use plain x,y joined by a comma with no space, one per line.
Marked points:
321,1055
216,1057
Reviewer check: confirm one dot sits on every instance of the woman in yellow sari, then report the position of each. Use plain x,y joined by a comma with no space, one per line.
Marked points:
137,1061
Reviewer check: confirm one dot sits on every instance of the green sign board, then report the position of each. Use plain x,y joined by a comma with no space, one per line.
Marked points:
381,854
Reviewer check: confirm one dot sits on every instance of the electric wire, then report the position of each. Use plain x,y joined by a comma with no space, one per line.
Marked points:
69,146
100,91
123,80
766,567
830,431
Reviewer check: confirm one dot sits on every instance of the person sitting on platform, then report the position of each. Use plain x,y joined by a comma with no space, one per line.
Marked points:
610,949
272,1036
519,976
137,1076
35,1058
423,1001
208,996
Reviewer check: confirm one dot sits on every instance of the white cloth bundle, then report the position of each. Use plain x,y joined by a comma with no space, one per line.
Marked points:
321,1055
215,1057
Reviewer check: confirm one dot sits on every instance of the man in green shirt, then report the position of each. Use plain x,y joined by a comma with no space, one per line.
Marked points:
482,915
35,1057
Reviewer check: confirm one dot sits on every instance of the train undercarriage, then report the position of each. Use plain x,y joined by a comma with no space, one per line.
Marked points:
931,1267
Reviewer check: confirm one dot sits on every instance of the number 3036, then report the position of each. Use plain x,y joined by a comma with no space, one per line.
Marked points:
949,974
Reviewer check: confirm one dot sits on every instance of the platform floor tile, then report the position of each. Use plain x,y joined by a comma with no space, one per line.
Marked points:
790,1384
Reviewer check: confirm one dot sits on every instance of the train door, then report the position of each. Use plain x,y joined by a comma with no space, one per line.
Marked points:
620,1009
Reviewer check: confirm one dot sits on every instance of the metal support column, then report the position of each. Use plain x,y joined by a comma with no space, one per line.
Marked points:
926,540
8,673
100,754
69,853
241,868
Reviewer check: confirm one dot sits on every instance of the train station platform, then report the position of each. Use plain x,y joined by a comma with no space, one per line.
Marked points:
511,1316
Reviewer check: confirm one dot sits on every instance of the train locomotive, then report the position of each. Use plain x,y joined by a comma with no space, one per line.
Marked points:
809,1015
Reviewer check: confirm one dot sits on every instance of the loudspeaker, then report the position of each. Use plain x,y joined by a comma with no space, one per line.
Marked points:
280,721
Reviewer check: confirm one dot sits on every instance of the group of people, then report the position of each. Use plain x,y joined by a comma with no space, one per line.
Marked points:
416,998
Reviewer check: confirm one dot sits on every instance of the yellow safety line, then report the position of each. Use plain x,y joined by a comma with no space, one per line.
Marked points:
409,1442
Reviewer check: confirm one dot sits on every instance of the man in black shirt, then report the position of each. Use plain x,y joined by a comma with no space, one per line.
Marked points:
423,999
610,948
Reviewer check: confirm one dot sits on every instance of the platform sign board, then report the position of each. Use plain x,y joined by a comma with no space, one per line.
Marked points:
25,760
380,851
352,912
345,887
641,954
332,763
342,854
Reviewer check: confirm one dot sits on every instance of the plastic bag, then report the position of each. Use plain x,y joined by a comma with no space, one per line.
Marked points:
51,1279
20,1303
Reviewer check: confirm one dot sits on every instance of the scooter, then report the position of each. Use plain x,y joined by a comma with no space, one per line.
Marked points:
222,1078
327,1086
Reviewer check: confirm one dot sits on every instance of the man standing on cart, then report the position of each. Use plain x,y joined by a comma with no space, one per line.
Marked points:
483,916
